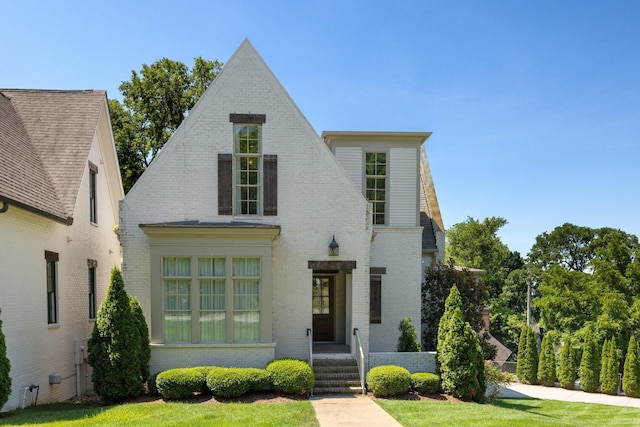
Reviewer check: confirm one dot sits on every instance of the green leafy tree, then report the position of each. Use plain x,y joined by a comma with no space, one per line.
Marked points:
475,244
589,364
567,366
568,246
440,279
631,373
155,101
114,346
609,378
458,354
527,364
408,339
144,355
5,369
547,362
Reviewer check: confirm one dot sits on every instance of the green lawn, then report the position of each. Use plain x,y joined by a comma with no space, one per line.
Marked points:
167,414
509,413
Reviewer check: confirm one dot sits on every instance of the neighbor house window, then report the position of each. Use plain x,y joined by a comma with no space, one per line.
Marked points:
248,168
376,184
92,265
93,203
51,259
199,314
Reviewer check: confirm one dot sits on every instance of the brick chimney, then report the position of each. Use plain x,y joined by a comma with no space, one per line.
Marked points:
485,318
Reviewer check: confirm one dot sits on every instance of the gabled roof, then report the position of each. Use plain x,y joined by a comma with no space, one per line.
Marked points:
45,137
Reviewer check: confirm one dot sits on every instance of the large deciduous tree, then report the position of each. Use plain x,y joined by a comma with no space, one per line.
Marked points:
154,103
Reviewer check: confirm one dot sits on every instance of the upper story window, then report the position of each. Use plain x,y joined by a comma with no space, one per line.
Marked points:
247,179
248,168
93,202
376,184
92,265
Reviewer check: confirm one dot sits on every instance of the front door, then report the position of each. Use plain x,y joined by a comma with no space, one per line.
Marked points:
323,308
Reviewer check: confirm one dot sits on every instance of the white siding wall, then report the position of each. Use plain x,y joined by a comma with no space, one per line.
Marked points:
350,158
315,200
403,187
36,349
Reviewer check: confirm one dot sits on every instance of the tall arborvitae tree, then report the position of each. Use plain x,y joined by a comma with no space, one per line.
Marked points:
452,302
609,378
458,354
547,365
408,339
631,374
114,347
144,355
567,368
527,366
589,364
5,368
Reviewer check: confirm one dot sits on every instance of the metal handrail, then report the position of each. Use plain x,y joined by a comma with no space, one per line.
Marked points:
310,339
360,359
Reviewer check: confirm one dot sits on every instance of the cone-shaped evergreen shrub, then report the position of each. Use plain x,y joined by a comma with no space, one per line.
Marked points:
567,368
5,368
144,355
547,365
527,366
458,354
609,378
589,364
408,340
631,374
114,347
453,301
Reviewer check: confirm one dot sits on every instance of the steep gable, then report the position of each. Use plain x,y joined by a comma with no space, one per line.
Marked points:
59,127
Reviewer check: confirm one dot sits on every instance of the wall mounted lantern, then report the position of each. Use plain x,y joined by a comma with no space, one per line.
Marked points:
334,248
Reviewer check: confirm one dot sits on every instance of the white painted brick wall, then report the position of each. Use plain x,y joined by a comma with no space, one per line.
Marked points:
424,361
35,349
315,198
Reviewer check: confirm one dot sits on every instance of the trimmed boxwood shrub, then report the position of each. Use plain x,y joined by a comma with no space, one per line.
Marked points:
152,388
259,379
227,382
425,382
291,376
388,380
180,383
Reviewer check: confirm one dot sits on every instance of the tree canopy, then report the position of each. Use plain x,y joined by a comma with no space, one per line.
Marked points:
154,103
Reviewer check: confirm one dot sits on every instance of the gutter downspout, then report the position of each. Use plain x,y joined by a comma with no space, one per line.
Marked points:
4,208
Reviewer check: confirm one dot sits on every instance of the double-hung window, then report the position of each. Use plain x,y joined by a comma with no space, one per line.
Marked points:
91,266
376,184
176,282
246,299
248,166
52,286
93,201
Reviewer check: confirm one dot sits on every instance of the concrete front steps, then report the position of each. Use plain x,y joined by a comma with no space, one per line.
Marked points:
336,374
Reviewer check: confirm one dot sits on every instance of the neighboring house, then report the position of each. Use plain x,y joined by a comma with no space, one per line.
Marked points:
59,189
250,236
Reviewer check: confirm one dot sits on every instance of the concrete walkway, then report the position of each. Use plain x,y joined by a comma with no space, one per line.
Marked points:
350,410
524,391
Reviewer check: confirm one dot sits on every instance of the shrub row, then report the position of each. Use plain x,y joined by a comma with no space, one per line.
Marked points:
391,380
288,376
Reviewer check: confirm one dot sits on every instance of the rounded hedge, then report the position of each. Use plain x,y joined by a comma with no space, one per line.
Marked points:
425,382
388,380
227,382
291,376
180,383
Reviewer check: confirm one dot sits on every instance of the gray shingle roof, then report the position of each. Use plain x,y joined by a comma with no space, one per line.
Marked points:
45,137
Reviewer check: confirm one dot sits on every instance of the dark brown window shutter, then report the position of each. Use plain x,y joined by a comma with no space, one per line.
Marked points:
270,162
375,299
225,184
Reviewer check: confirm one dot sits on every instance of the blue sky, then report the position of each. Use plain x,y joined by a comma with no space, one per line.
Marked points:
534,105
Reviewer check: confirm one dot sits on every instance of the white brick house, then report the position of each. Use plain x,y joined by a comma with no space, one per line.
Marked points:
227,236
59,192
